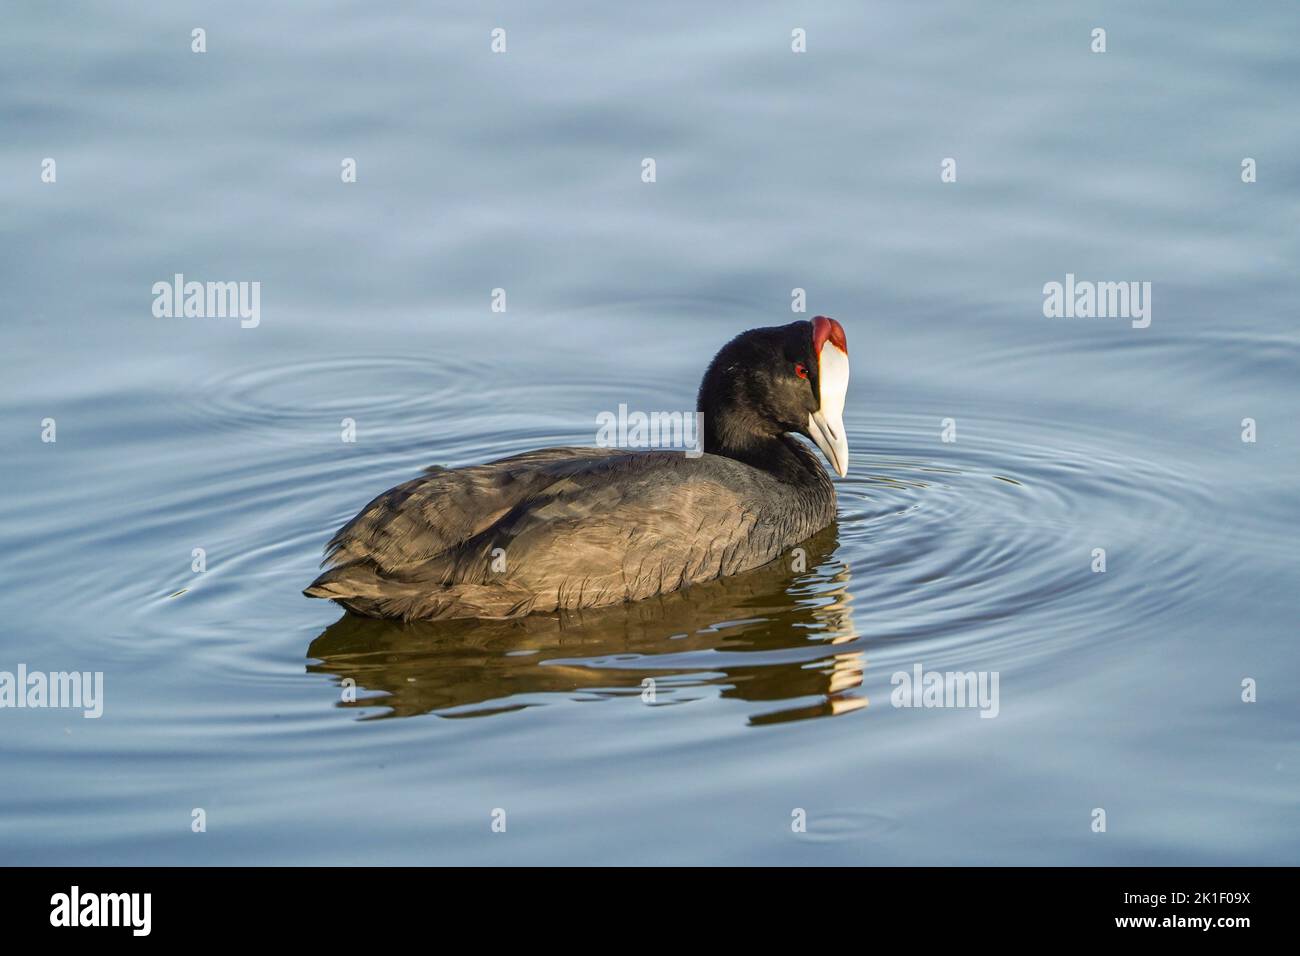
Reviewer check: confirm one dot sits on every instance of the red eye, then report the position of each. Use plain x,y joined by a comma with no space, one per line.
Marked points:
800,370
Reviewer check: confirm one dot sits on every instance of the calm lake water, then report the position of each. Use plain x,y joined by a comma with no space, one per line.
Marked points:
224,690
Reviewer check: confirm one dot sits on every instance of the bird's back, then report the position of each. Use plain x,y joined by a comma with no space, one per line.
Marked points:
564,528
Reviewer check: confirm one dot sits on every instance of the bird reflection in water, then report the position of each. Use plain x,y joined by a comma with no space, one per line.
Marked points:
778,638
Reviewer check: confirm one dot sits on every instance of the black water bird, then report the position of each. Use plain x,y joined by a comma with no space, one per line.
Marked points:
568,528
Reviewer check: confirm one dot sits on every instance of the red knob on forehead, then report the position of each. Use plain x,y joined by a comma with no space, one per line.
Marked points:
827,329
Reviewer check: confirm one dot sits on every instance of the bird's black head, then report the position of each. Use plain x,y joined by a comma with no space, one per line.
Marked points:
766,382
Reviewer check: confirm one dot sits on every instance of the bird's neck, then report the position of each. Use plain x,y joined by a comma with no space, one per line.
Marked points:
743,436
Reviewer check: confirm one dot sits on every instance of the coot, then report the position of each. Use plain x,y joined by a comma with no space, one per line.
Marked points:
569,528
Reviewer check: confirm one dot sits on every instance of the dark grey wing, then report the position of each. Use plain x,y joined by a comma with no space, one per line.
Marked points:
558,529
646,525
426,517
